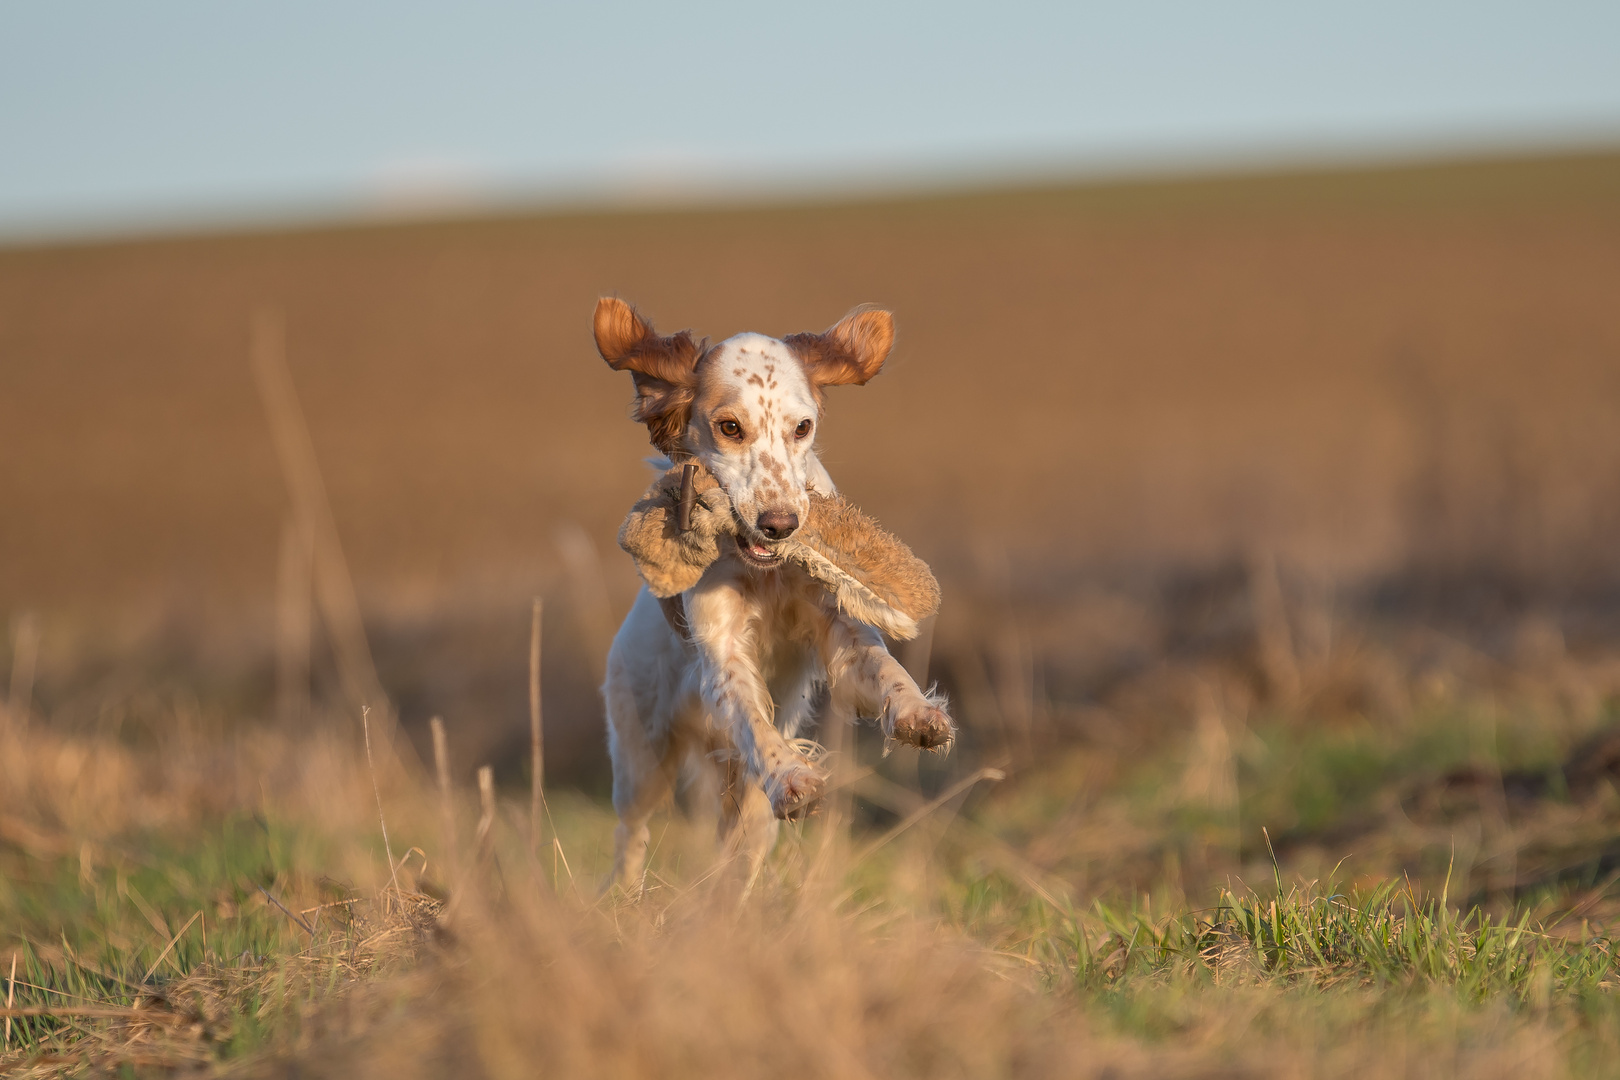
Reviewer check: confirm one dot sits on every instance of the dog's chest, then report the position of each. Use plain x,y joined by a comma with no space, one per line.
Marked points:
786,621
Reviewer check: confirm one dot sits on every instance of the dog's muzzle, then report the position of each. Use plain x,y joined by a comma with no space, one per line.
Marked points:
757,554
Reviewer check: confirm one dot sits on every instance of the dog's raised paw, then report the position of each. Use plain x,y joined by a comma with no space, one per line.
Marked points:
925,726
794,790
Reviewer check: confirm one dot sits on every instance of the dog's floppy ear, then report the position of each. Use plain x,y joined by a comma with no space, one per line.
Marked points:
664,368
852,350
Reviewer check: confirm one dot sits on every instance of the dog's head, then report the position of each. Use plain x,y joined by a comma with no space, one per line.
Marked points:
747,408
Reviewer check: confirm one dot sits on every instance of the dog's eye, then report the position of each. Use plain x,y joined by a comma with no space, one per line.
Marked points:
731,429
803,430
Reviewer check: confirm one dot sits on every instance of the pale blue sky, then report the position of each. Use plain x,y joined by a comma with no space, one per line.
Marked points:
130,115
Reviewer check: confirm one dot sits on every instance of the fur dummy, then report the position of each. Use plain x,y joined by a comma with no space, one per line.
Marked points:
871,574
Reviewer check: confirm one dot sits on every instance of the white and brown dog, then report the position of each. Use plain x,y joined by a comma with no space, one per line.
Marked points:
729,696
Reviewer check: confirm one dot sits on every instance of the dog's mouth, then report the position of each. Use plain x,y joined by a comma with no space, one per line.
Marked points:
757,554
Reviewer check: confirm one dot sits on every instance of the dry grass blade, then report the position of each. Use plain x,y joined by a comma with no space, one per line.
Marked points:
301,924
24,655
933,805
294,639
371,766
11,998
557,851
483,840
447,806
148,912
170,947
537,751
94,1012
334,588
1043,884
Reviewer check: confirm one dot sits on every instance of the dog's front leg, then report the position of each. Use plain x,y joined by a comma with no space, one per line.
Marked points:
865,677
735,693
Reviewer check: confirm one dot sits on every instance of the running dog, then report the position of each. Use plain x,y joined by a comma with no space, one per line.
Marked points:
726,677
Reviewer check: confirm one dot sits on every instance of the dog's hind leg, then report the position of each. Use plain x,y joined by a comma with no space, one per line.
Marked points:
644,764
635,796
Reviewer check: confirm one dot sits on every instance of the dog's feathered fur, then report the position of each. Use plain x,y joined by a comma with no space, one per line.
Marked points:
781,585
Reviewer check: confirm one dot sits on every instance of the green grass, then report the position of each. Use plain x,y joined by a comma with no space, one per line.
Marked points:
1388,937
1298,777
1289,970
1391,936
179,921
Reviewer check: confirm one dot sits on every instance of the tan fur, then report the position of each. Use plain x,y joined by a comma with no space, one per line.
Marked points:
671,561
849,352
664,369
876,573
871,573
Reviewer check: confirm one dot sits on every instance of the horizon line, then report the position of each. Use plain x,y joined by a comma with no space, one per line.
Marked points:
713,191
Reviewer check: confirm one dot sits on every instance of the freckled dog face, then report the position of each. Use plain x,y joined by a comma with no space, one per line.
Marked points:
747,408
753,423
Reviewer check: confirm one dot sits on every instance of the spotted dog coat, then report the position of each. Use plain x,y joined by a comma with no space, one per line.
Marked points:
764,636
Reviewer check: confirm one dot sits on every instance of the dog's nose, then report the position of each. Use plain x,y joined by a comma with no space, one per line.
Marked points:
778,524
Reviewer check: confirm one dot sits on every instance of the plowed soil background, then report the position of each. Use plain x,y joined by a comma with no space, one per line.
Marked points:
1355,374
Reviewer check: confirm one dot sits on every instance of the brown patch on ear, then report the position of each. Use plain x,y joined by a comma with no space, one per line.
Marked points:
850,351
664,368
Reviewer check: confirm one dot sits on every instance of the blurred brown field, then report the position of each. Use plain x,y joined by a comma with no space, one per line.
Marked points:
1115,411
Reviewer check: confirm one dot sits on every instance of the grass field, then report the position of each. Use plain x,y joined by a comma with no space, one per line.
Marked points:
1275,518
229,908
